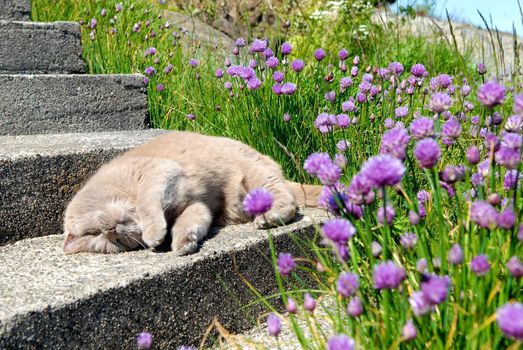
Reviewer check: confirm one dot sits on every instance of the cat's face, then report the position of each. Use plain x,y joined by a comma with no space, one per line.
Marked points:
113,229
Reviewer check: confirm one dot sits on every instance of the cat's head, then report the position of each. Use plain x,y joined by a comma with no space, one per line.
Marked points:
113,228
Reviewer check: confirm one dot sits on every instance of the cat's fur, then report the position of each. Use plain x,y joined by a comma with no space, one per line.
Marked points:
180,181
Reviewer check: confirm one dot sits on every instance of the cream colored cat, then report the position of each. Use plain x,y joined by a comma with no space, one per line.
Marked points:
182,182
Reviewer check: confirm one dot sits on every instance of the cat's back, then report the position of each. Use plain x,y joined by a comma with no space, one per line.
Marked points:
184,146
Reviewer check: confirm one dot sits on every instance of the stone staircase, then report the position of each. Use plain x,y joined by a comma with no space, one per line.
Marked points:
57,126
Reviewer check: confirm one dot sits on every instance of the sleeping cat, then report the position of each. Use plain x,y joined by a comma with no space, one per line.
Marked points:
180,181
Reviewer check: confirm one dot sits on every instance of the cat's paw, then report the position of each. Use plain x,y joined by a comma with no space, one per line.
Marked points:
186,241
274,218
154,234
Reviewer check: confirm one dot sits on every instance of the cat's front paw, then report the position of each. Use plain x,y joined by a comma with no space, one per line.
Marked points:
274,218
154,234
186,241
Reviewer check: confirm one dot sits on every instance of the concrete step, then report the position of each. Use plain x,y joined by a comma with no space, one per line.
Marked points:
87,301
40,104
31,47
39,174
15,10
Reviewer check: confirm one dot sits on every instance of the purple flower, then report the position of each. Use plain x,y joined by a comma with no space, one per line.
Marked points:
452,173
285,263
506,219
409,240
509,181
422,265
190,116
309,303
456,254
268,53
360,190
342,145
388,275
473,155
427,152
286,48
413,218
512,141
325,122
354,71
168,69
440,102
510,320
273,325
314,161
150,70
348,106
356,60
258,45
319,54
227,85
341,342
343,121
376,249
401,112
418,70
509,158
338,230
435,290
355,308
514,123
518,104
240,42
159,87
347,284
343,54
278,76
93,24
253,83
387,213
515,267
119,7
383,170
420,306
291,306
422,127
144,340
330,96
480,265
257,202
193,63
272,62
451,129
481,68
491,94
288,88
396,68
484,214
394,142
286,117
297,65
345,83
329,174
409,331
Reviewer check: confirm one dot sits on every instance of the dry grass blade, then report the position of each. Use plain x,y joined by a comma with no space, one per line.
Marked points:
517,63
492,44
501,51
454,41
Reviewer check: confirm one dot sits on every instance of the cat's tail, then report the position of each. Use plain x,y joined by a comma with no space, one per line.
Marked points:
305,195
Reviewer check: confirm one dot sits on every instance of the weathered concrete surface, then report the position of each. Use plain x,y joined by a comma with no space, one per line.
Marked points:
39,174
52,300
31,47
40,104
15,10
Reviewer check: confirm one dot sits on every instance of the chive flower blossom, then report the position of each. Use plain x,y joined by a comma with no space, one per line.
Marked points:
418,70
257,202
440,102
285,263
341,342
510,320
422,127
515,267
394,142
483,214
480,265
347,284
491,94
435,289
286,48
383,170
409,331
297,65
273,325
385,214
309,303
427,152
258,45
288,88
319,54
388,275
355,308
456,255
144,340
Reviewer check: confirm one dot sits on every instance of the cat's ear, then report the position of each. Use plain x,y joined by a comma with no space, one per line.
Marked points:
71,244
